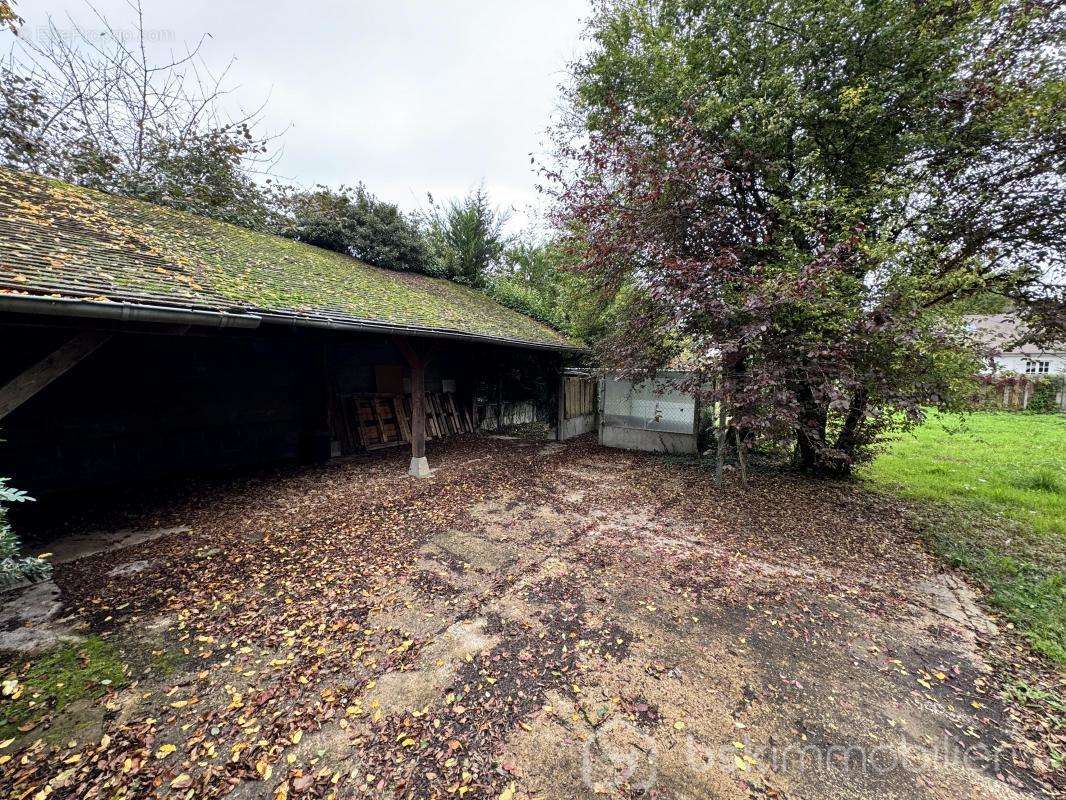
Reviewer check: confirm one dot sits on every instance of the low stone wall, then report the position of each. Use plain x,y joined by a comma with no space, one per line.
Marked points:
1017,393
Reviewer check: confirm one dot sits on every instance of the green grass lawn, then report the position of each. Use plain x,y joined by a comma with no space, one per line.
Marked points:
995,484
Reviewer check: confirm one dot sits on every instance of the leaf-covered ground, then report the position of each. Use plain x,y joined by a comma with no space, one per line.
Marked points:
535,620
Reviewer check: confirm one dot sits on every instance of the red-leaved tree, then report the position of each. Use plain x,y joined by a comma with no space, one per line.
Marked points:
794,198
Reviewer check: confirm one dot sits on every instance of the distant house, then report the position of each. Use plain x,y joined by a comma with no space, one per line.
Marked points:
1001,332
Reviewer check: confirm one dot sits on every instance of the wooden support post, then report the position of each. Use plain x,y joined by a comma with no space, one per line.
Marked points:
324,447
562,406
24,386
417,362
418,414
499,402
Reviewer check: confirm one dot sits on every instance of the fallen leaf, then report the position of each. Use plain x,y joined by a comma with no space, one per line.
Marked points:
183,781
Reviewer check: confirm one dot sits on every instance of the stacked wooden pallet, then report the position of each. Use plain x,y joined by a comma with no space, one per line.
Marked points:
373,421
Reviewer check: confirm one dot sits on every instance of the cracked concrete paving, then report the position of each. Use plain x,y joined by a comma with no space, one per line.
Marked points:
32,618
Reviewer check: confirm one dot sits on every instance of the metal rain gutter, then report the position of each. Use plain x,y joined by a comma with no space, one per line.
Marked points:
124,312
366,326
63,307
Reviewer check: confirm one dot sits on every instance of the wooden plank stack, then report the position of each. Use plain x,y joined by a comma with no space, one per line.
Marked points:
373,421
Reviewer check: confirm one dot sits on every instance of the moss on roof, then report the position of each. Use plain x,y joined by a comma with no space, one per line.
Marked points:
67,241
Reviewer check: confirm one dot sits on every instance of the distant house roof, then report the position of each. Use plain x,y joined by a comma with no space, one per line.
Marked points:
1001,332
63,245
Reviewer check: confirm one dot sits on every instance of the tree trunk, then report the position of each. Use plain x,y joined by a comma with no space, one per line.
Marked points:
813,454
810,432
848,439
723,441
742,458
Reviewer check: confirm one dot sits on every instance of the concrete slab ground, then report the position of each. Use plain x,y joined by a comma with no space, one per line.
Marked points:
32,621
33,618
82,545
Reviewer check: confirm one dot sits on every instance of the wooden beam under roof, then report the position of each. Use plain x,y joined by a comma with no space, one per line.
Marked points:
35,378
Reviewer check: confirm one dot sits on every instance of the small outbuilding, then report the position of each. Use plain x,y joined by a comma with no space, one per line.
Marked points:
652,415
139,342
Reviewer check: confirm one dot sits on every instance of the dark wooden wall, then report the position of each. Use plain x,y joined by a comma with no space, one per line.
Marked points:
352,363
148,406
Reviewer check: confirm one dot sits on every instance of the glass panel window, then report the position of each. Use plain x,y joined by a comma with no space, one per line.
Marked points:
1037,367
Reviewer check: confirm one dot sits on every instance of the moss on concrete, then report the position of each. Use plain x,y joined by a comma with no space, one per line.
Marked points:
49,683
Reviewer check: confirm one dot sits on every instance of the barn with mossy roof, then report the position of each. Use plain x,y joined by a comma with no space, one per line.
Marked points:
141,341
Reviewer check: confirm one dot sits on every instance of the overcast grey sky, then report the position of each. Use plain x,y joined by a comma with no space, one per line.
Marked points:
408,96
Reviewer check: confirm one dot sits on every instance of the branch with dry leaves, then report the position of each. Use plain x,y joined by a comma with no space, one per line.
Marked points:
96,107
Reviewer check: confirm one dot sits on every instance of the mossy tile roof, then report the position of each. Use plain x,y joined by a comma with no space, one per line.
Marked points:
59,240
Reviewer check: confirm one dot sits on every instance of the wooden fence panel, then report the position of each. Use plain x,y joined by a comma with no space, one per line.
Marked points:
579,395
1015,394
372,421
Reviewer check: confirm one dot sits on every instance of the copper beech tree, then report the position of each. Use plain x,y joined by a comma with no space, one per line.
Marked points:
797,196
